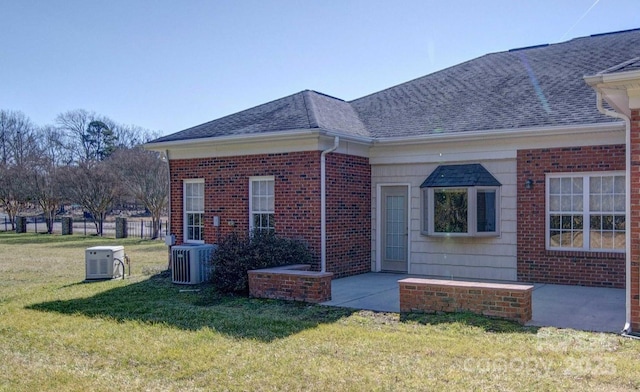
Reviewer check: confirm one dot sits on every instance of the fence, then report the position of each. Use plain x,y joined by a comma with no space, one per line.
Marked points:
135,228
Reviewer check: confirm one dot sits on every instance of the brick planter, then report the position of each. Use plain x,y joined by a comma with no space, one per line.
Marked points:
509,301
292,283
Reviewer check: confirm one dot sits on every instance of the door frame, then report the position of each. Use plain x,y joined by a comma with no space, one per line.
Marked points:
378,260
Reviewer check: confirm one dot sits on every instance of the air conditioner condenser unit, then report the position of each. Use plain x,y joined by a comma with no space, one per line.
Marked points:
191,264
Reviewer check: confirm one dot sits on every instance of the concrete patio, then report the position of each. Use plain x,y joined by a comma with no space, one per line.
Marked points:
577,307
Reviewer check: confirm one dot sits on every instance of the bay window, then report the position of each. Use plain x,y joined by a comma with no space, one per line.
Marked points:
461,200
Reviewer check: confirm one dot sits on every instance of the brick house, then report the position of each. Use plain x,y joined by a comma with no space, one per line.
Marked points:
514,166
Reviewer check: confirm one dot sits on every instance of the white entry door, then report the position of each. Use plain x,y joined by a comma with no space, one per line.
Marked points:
394,228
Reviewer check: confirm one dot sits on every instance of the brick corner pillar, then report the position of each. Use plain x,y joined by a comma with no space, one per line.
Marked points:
635,219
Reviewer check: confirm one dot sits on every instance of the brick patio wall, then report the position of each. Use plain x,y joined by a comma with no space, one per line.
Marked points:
508,301
535,262
292,283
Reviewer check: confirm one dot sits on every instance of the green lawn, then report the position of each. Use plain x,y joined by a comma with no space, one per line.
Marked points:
143,333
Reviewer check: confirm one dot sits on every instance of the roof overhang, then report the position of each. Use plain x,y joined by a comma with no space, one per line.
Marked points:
621,90
501,134
270,142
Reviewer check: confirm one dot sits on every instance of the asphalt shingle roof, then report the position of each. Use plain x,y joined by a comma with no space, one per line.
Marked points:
532,87
446,176
304,110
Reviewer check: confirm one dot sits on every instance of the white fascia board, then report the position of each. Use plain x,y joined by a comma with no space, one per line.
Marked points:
269,143
232,139
492,147
620,89
501,134
628,78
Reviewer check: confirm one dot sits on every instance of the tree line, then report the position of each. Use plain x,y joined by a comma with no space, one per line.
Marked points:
83,158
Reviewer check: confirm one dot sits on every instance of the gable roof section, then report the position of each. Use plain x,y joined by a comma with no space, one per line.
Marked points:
447,176
532,87
535,87
332,114
304,110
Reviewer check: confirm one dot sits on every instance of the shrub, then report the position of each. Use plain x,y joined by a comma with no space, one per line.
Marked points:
235,256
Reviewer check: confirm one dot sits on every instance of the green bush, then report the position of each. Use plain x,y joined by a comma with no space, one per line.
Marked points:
236,255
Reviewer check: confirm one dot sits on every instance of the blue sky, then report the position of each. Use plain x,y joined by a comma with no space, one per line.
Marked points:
168,65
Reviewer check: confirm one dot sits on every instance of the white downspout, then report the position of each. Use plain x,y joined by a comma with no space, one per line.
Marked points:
323,204
168,230
627,218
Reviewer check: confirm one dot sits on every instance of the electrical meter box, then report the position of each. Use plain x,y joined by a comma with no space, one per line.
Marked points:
104,262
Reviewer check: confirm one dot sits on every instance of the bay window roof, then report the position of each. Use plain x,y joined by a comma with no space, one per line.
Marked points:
448,176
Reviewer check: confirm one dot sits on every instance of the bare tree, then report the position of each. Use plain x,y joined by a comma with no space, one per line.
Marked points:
90,137
130,136
92,185
18,149
145,176
14,190
44,178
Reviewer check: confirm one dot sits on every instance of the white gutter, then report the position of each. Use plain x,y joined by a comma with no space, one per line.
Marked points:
270,136
323,204
281,136
627,218
493,134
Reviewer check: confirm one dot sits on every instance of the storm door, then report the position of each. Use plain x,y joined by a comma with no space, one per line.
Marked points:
394,228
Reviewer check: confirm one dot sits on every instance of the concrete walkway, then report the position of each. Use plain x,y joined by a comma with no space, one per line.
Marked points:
577,307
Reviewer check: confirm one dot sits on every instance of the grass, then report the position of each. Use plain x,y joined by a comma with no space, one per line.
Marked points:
143,333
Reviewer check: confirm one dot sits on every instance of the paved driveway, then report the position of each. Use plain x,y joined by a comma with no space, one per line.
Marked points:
577,307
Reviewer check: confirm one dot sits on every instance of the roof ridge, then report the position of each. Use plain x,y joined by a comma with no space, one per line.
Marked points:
311,109
619,66
614,32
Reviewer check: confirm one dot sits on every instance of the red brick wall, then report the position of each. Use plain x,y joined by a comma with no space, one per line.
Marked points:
348,214
635,220
297,201
297,194
290,285
508,301
535,263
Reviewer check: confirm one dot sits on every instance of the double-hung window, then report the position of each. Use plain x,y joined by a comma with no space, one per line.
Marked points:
461,200
586,211
194,211
261,203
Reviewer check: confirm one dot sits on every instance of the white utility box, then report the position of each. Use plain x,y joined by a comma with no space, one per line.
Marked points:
104,262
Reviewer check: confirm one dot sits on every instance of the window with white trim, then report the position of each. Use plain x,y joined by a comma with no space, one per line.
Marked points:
461,200
261,203
468,211
194,211
586,211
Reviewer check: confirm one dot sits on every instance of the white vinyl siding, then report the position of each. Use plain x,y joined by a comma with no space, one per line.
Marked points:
468,257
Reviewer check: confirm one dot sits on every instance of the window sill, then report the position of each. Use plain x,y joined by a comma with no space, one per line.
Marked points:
460,235
588,254
193,242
